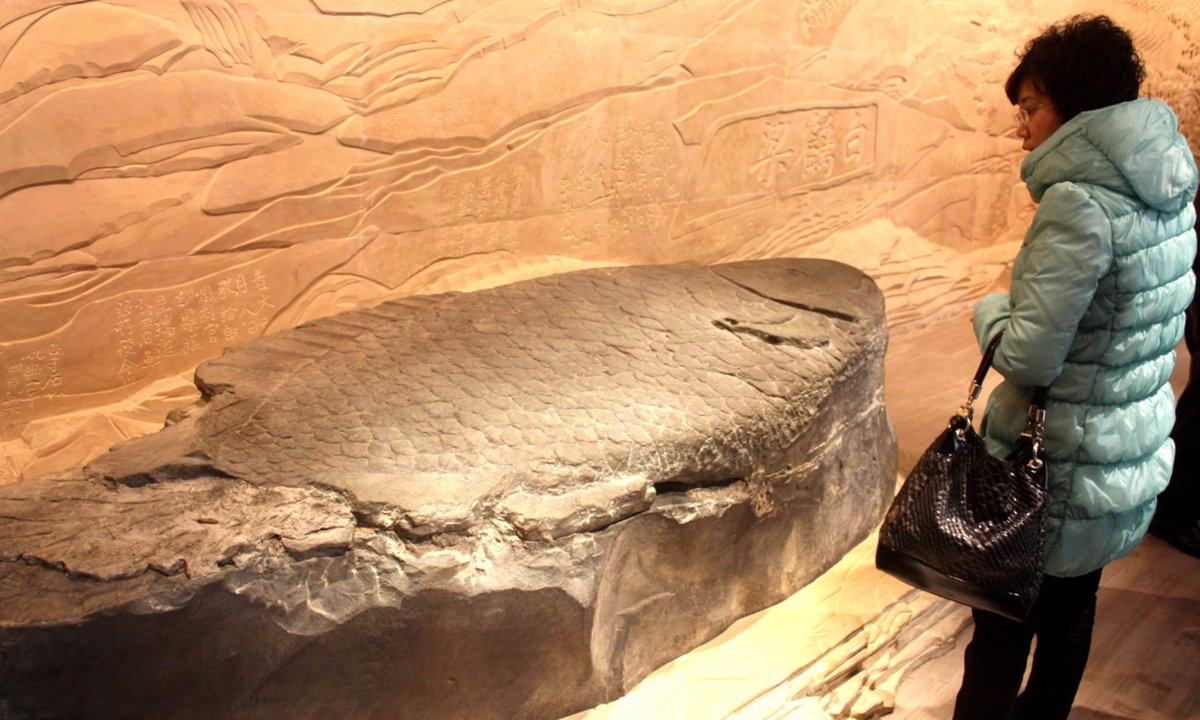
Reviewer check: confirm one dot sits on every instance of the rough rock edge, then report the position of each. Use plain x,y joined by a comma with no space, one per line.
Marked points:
157,459
244,376
435,559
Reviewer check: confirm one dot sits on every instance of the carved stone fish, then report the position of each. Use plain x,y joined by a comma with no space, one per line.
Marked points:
510,503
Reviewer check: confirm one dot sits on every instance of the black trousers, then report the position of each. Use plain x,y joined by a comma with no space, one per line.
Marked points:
995,662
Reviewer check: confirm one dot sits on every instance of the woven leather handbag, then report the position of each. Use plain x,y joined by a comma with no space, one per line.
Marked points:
968,526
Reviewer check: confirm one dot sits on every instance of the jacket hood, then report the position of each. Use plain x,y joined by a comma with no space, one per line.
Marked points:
1133,148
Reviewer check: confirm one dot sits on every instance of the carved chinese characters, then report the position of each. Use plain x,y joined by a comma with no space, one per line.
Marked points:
790,152
152,329
33,375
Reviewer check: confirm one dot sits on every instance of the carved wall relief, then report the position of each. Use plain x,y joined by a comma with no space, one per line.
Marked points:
182,176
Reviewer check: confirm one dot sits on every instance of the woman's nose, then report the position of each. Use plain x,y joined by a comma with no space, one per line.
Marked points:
1022,131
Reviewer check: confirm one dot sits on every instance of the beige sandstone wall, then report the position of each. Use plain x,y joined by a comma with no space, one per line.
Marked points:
180,176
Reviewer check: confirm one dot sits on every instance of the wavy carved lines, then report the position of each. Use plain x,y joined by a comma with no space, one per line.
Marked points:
384,8
221,28
14,10
91,40
296,66
593,66
422,170
409,169
819,20
375,76
57,289
99,210
140,324
82,129
372,193
370,79
431,71
437,66
807,25
12,33
441,130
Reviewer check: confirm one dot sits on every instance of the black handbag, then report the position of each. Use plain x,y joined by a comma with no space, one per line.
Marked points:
968,526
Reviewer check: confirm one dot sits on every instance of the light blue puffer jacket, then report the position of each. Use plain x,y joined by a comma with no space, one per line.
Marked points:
1095,312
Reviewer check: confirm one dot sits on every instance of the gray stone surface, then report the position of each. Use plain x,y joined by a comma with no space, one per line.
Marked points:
510,503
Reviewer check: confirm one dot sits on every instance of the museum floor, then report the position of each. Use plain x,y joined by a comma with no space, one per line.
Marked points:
856,643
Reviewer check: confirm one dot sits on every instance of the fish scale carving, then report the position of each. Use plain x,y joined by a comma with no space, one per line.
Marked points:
557,377
562,379
594,471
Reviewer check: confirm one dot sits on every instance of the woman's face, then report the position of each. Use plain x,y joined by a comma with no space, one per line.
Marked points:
1043,116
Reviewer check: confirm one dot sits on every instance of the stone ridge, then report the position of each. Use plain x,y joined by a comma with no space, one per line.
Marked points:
191,527
553,406
593,472
556,404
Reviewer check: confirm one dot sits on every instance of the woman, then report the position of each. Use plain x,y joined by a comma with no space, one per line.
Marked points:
1094,312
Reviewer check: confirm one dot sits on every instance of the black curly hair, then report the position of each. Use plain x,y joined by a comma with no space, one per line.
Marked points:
1082,63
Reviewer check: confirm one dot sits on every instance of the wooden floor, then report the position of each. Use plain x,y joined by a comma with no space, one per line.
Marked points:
1145,661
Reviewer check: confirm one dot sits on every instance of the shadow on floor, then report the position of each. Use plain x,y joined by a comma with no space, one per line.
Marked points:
1079,713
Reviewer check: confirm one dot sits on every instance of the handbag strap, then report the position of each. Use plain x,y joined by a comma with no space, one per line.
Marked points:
967,411
1036,420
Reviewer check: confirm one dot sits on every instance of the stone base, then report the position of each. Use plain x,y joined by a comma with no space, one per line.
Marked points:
667,583
838,648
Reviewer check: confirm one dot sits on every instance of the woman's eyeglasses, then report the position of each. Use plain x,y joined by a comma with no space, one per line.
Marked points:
1023,114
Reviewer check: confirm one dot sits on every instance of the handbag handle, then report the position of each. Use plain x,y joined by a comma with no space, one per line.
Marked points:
1036,420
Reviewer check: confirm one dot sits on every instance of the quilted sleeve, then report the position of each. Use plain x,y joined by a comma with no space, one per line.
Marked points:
1068,250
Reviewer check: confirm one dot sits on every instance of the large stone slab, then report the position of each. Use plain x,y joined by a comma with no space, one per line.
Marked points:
510,503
